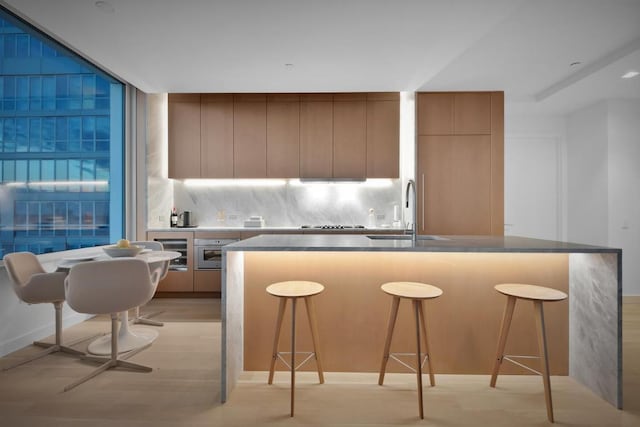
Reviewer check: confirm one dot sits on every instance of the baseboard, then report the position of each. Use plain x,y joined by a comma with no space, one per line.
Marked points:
631,299
24,340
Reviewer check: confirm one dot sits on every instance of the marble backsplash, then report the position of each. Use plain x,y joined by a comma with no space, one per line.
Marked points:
291,204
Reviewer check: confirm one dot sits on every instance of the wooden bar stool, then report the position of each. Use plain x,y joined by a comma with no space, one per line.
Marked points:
292,290
416,292
538,295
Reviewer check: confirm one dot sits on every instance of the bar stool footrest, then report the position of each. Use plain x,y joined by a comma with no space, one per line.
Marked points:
310,354
510,357
411,368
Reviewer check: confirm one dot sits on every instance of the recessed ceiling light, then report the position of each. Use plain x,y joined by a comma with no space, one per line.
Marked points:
105,6
630,74
288,66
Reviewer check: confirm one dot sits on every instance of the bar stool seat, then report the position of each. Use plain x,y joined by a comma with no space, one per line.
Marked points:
417,293
292,290
538,295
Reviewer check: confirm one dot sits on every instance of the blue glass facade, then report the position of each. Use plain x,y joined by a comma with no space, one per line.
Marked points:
61,145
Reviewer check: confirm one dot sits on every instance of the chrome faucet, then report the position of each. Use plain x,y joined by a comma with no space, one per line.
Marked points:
411,184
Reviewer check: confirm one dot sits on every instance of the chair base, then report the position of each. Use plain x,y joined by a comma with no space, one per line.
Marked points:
50,349
145,320
109,364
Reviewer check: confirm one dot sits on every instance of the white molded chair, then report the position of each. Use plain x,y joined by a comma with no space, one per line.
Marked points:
110,287
164,269
34,285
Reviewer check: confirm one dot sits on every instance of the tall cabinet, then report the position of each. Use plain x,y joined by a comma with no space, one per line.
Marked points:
460,175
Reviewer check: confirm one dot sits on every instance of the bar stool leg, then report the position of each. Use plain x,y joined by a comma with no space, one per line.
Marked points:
502,340
274,356
425,337
387,345
416,309
311,314
293,352
544,360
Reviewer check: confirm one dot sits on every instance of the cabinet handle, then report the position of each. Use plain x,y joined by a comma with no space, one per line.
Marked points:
424,227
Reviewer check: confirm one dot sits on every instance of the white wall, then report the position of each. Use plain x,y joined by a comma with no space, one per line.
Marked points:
603,170
534,176
587,175
624,188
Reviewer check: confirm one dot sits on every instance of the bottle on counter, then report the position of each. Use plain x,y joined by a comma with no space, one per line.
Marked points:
174,217
372,219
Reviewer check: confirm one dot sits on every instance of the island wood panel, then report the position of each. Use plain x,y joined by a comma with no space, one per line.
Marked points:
316,138
250,136
454,185
349,139
184,136
216,145
352,312
283,138
383,138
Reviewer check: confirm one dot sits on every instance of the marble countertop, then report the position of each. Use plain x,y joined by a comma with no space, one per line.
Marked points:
283,229
342,242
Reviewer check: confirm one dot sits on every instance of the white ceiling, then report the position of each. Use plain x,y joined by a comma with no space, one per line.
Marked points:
523,47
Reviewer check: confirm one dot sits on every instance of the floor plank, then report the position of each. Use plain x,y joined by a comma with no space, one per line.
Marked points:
183,389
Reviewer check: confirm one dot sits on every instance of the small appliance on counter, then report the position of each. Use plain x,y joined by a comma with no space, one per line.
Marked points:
254,221
184,220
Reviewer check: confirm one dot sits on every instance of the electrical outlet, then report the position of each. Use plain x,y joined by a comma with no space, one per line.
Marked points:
380,217
232,217
161,218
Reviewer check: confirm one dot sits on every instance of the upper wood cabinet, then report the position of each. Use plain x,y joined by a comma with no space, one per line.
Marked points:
316,136
313,135
184,136
216,143
283,136
454,113
350,136
460,175
383,135
250,136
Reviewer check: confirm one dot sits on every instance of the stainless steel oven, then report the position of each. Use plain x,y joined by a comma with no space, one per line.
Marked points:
208,253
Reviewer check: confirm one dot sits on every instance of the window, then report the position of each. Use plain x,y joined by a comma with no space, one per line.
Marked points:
61,146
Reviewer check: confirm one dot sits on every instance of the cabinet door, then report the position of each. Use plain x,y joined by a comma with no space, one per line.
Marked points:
250,138
184,136
454,185
216,144
316,139
435,114
350,139
472,113
383,139
207,281
283,137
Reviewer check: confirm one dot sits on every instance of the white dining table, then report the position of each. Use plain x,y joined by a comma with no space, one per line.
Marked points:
128,338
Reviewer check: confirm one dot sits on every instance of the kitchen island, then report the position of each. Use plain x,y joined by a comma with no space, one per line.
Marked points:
584,333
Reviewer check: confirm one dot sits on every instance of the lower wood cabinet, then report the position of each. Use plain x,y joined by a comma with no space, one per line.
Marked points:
207,281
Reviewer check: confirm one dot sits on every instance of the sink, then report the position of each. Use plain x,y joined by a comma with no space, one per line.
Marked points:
403,237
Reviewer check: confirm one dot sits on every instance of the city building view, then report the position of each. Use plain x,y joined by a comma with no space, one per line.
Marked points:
61,138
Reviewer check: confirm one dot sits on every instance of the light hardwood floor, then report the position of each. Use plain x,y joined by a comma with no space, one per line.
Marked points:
183,388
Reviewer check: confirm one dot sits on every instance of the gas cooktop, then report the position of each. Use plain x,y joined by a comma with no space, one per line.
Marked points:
333,226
